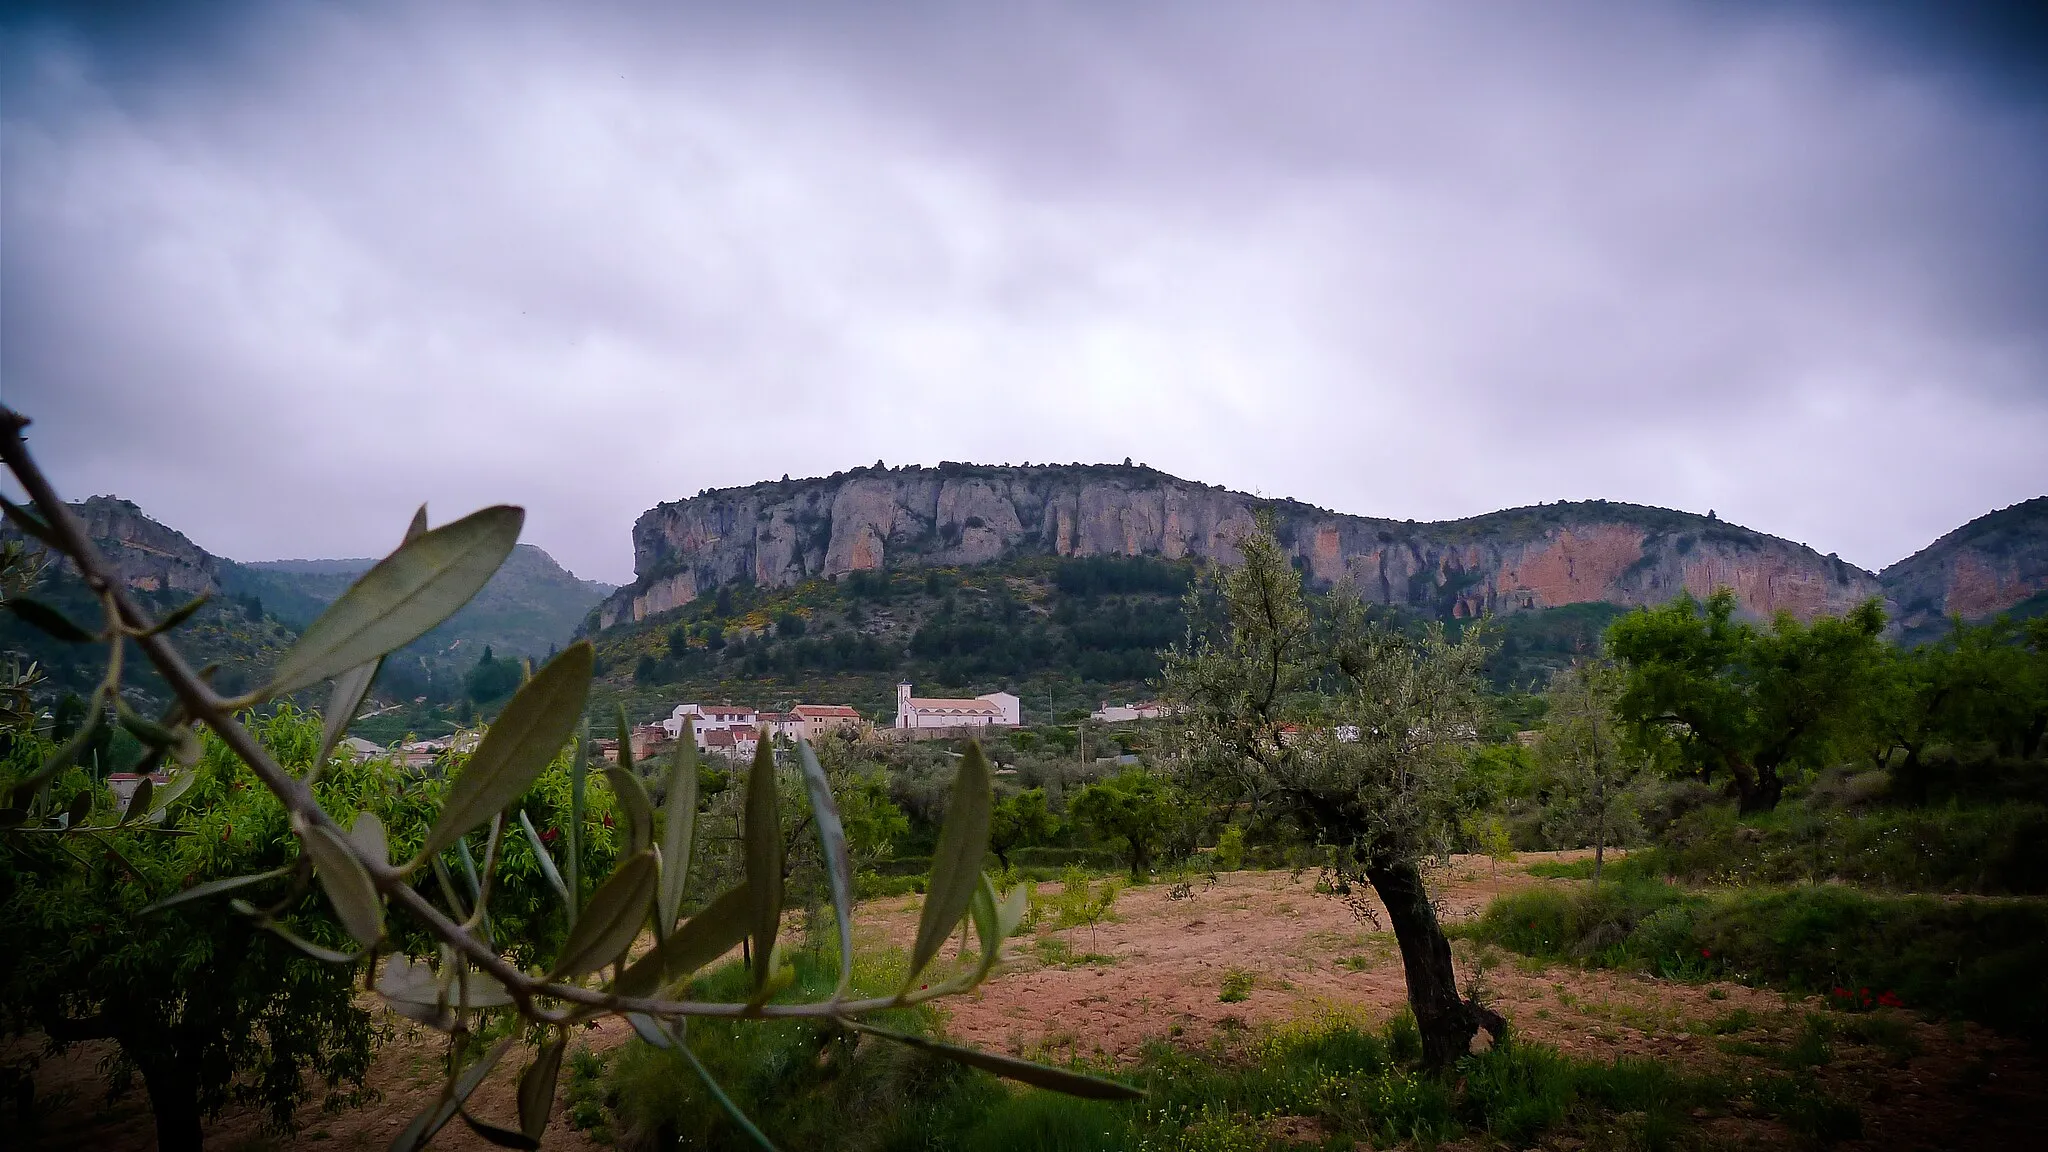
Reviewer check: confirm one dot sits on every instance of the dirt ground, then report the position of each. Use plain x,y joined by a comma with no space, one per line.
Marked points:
1156,971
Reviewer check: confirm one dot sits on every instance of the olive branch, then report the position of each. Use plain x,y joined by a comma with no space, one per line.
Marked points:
434,572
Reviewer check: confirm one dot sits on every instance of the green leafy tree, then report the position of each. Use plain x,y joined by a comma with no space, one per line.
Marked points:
203,1005
1355,733
1133,809
1019,820
1724,698
1591,766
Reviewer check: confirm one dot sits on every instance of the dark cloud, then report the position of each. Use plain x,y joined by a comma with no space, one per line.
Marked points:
279,272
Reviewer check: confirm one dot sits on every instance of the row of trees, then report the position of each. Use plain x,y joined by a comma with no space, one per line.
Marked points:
1754,705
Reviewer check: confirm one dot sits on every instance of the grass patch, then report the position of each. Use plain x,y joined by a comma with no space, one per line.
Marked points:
1975,958
1237,986
1983,850
1056,952
1333,1077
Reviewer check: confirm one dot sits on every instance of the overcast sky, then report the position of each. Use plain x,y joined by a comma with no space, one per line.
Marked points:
280,272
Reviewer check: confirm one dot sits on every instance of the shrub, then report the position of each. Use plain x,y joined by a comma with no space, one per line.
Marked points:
1976,958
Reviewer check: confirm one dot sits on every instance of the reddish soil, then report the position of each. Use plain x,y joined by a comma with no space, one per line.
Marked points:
1156,971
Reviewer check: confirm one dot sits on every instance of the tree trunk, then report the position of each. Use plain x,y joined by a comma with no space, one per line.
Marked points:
1758,790
1447,1023
174,1102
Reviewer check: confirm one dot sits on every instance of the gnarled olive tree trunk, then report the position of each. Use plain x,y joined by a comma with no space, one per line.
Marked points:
1446,1020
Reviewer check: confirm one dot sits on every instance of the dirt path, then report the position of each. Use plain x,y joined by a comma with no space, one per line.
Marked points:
1156,972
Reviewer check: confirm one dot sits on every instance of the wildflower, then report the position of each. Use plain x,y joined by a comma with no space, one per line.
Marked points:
550,836
1706,953
1890,999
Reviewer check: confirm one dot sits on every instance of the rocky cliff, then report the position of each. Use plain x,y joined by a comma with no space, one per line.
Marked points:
956,514
150,556
1985,567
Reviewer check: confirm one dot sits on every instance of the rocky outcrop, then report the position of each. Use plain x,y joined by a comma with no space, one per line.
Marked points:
149,556
1978,570
957,514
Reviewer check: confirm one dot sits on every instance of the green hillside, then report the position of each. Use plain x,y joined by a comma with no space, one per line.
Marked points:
1063,635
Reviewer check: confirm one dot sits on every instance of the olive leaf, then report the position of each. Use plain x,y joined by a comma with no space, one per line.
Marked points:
316,951
988,926
514,750
401,598
215,888
572,862
141,727
162,798
492,1134
179,615
368,835
342,705
1009,1067
453,1096
762,837
718,1093
679,826
348,887
625,757
540,855
44,618
608,925
632,796
81,807
537,1087
956,862
139,802
838,865
712,932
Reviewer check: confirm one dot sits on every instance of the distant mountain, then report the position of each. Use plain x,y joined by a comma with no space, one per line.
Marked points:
1995,563
779,533
531,606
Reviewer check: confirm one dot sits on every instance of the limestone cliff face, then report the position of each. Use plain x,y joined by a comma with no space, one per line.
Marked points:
149,556
1982,568
779,533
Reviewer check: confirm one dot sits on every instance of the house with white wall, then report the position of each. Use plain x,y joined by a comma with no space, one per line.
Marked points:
989,710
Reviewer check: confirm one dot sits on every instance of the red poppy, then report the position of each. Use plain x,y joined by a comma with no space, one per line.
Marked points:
550,836
1706,953
1890,999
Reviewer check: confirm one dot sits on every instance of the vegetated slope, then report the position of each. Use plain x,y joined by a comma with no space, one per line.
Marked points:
779,534
1060,634
1995,563
164,570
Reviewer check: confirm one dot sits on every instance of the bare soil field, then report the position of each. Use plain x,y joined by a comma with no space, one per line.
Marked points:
1157,970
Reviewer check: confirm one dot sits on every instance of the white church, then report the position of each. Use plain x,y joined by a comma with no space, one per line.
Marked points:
989,710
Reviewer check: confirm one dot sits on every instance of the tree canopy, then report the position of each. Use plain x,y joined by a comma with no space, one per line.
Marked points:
1719,697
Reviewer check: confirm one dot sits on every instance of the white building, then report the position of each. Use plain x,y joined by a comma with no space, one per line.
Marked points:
709,718
989,710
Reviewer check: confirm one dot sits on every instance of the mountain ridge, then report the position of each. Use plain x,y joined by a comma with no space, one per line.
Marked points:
777,533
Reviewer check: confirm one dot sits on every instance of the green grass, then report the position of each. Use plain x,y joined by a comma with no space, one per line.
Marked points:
1975,958
811,1087
1982,849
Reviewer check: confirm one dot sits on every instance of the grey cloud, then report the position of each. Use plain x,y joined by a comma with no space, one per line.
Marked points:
280,273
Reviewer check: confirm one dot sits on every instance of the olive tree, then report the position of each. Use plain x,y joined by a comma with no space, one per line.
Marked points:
377,892
1352,731
1591,766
